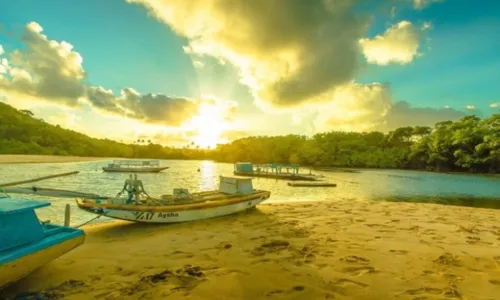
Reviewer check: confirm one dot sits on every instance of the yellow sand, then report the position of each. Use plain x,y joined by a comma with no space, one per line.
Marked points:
327,250
18,159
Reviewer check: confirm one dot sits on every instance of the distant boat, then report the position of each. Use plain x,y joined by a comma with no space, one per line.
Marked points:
234,195
275,171
26,243
135,166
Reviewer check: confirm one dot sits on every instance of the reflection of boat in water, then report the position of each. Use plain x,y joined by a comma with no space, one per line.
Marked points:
135,166
276,171
26,243
234,195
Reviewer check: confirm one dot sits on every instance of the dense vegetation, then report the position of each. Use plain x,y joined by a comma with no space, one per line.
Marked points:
470,144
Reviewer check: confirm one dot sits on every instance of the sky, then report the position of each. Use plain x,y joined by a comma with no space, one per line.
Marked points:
211,71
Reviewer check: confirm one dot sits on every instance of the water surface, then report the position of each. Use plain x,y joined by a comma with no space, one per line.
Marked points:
391,185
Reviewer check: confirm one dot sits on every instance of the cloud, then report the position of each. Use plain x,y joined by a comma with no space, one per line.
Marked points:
46,69
470,107
65,120
421,4
494,105
1,50
52,71
149,108
355,107
288,52
181,138
358,107
402,114
399,44
231,135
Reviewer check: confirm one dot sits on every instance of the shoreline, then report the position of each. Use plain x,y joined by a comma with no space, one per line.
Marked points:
302,250
29,159
35,158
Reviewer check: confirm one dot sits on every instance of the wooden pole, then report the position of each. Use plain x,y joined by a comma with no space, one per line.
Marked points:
38,179
67,215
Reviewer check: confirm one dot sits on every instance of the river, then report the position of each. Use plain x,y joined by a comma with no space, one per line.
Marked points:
390,185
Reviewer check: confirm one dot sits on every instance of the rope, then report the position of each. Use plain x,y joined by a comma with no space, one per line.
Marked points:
85,223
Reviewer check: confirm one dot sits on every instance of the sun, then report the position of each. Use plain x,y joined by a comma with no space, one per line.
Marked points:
209,125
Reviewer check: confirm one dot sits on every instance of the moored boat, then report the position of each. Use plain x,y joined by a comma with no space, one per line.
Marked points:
275,171
234,195
134,166
26,243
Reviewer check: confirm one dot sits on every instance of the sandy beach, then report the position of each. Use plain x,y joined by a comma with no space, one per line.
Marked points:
322,250
20,159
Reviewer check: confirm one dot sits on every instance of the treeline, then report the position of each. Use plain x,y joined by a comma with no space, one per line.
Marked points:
23,133
470,144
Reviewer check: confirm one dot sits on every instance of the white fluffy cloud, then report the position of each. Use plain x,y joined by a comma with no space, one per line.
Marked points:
470,107
399,44
46,69
288,52
371,107
52,71
355,107
494,105
420,4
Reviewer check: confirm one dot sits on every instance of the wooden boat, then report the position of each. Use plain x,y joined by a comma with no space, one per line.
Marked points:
234,195
26,243
135,166
275,171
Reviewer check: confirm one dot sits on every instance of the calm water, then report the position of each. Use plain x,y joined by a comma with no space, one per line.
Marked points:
392,185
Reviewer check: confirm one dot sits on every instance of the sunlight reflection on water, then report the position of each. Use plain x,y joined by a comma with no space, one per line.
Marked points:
204,175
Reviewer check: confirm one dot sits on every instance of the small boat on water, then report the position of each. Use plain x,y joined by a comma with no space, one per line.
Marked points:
26,243
234,195
276,171
135,166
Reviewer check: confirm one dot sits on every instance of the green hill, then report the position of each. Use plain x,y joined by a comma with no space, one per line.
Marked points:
23,133
470,144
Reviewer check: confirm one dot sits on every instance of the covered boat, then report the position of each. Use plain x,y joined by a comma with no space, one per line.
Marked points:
135,166
234,195
26,243
275,171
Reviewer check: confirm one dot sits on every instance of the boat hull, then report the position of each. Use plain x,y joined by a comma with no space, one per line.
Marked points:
16,269
134,170
173,214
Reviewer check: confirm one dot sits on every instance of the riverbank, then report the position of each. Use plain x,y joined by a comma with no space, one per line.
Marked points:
23,159
321,250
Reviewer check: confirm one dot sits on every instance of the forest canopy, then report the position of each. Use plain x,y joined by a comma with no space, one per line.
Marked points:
470,144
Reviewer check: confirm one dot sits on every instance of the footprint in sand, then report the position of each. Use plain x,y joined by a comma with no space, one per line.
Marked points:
185,279
448,259
473,240
355,259
343,282
494,282
400,252
356,271
274,246
65,289
423,291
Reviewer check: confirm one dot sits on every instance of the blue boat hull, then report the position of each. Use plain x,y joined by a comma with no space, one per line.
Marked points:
21,261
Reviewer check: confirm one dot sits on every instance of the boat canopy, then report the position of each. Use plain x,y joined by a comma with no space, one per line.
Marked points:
276,168
21,224
125,162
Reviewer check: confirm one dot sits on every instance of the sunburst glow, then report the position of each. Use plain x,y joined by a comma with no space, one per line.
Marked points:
209,125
